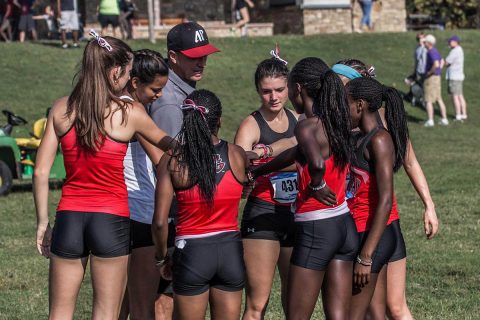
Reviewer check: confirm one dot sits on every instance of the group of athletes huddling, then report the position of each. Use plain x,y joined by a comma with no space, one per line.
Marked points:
318,180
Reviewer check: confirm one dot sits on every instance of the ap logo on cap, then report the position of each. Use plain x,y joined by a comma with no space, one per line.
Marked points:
199,37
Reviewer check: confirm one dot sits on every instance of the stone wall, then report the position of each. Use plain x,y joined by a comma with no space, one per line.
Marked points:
316,21
386,16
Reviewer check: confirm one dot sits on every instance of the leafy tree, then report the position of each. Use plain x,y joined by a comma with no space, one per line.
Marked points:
454,13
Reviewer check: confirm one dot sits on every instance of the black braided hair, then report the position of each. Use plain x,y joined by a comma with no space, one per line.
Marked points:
357,65
374,93
329,104
148,64
195,150
273,68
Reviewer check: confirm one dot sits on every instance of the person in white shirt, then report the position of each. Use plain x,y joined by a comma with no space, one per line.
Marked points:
455,77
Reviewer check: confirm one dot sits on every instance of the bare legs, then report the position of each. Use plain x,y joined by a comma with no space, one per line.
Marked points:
164,307
260,260
362,296
460,106
261,257
396,283
283,268
109,278
22,34
74,36
65,278
443,109
242,24
143,279
337,289
5,26
223,305
303,289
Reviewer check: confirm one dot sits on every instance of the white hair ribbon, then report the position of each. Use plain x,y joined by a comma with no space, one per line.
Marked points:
276,54
101,41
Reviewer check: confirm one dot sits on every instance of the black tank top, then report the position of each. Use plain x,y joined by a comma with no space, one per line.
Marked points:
222,163
361,143
267,135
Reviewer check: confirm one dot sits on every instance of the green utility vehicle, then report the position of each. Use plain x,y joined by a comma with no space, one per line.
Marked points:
17,155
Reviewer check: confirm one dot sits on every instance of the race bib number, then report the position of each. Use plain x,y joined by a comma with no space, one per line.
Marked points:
285,186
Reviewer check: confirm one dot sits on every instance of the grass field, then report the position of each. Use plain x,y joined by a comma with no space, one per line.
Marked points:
443,274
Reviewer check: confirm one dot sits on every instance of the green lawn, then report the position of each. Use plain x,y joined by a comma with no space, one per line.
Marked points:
443,277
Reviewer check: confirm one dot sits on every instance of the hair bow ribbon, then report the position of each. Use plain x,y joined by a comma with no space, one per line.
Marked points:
101,41
276,54
189,104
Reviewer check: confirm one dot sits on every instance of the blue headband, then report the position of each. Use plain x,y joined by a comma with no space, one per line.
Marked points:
346,71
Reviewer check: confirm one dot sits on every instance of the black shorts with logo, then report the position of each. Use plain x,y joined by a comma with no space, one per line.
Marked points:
267,221
217,262
78,234
318,242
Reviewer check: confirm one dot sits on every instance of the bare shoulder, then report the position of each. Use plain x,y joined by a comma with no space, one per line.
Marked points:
248,133
59,107
249,123
382,142
58,115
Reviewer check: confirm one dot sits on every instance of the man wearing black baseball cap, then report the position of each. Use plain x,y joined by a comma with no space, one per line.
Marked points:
188,48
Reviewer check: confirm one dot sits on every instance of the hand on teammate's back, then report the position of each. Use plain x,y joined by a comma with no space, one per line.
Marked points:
324,195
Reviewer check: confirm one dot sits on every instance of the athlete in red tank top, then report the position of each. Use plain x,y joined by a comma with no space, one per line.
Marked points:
334,177
196,216
96,176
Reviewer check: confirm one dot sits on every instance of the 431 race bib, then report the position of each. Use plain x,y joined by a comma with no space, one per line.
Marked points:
285,186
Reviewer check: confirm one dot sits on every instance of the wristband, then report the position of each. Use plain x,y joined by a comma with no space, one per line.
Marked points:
364,262
161,262
250,176
317,188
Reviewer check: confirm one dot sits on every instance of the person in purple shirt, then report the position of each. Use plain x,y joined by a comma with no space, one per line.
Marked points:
433,84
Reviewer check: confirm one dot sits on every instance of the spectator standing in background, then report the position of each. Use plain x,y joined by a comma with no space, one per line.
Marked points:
455,77
127,11
108,14
5,16
68,16
365,23
26,20
433,84
241,14
420,58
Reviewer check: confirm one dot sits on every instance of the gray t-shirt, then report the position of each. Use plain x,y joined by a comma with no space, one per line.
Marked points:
168,116
455,60
421,59
165,111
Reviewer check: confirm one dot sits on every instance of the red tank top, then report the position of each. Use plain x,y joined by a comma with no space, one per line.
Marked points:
335,178
196,216
277,188
94,181
362,189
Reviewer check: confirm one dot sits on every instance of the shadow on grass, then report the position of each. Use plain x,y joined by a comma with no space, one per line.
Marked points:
28,187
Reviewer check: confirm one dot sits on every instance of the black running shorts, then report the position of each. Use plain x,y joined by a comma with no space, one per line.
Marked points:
140,234
78,234
318,242
214,261
266,221
391,246
400,251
